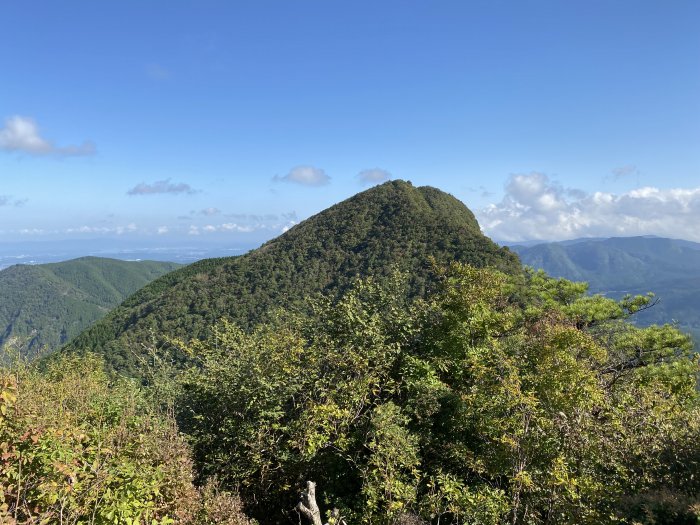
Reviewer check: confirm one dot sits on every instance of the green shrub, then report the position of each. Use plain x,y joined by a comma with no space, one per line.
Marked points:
78,447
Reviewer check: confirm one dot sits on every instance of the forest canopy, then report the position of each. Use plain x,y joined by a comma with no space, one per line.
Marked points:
499,399
494,399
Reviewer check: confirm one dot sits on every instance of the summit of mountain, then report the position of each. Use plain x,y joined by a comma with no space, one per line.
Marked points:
391,226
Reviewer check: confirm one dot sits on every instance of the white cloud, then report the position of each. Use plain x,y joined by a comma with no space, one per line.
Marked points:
31,231
104,230
305,176
210,211
90,229
161,186
373,176
162,230
21,134
267,218
276,226
231,227
534,207
288,226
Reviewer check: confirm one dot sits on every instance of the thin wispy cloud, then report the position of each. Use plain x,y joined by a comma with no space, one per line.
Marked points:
22,135
161,187
269,217
8,200
209,212
305,176
535,207
373,176
158,72
481,190
288,226
625,171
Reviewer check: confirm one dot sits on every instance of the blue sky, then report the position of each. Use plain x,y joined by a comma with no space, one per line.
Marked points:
231,121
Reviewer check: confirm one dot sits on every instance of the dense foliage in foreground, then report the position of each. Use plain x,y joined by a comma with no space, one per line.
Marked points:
499,400
496,399
77,448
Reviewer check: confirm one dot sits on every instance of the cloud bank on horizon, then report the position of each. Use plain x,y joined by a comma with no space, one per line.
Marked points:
536,208
272,224
268,225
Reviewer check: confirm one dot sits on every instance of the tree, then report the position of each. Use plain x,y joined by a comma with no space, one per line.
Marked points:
499,399
78,446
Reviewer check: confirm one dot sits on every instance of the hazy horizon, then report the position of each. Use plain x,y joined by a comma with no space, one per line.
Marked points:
184,251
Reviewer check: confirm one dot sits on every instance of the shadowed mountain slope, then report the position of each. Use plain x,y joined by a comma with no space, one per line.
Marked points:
394,225
668,267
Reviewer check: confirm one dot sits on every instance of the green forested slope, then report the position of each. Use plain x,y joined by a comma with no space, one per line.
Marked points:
670,268
394,225
48,304
498,400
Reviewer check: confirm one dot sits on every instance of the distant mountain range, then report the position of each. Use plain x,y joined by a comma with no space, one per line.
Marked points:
46,305
670,268
394,225
391,226
178,250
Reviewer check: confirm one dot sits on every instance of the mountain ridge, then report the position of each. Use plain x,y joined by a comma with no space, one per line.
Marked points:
46,305
390,226
668,267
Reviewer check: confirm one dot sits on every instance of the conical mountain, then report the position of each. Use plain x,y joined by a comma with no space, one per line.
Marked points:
391,225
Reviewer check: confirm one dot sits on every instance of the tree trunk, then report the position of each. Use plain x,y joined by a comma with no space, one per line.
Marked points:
307,504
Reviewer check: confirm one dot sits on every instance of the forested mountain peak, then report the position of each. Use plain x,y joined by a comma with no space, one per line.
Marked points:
391,226
385,202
